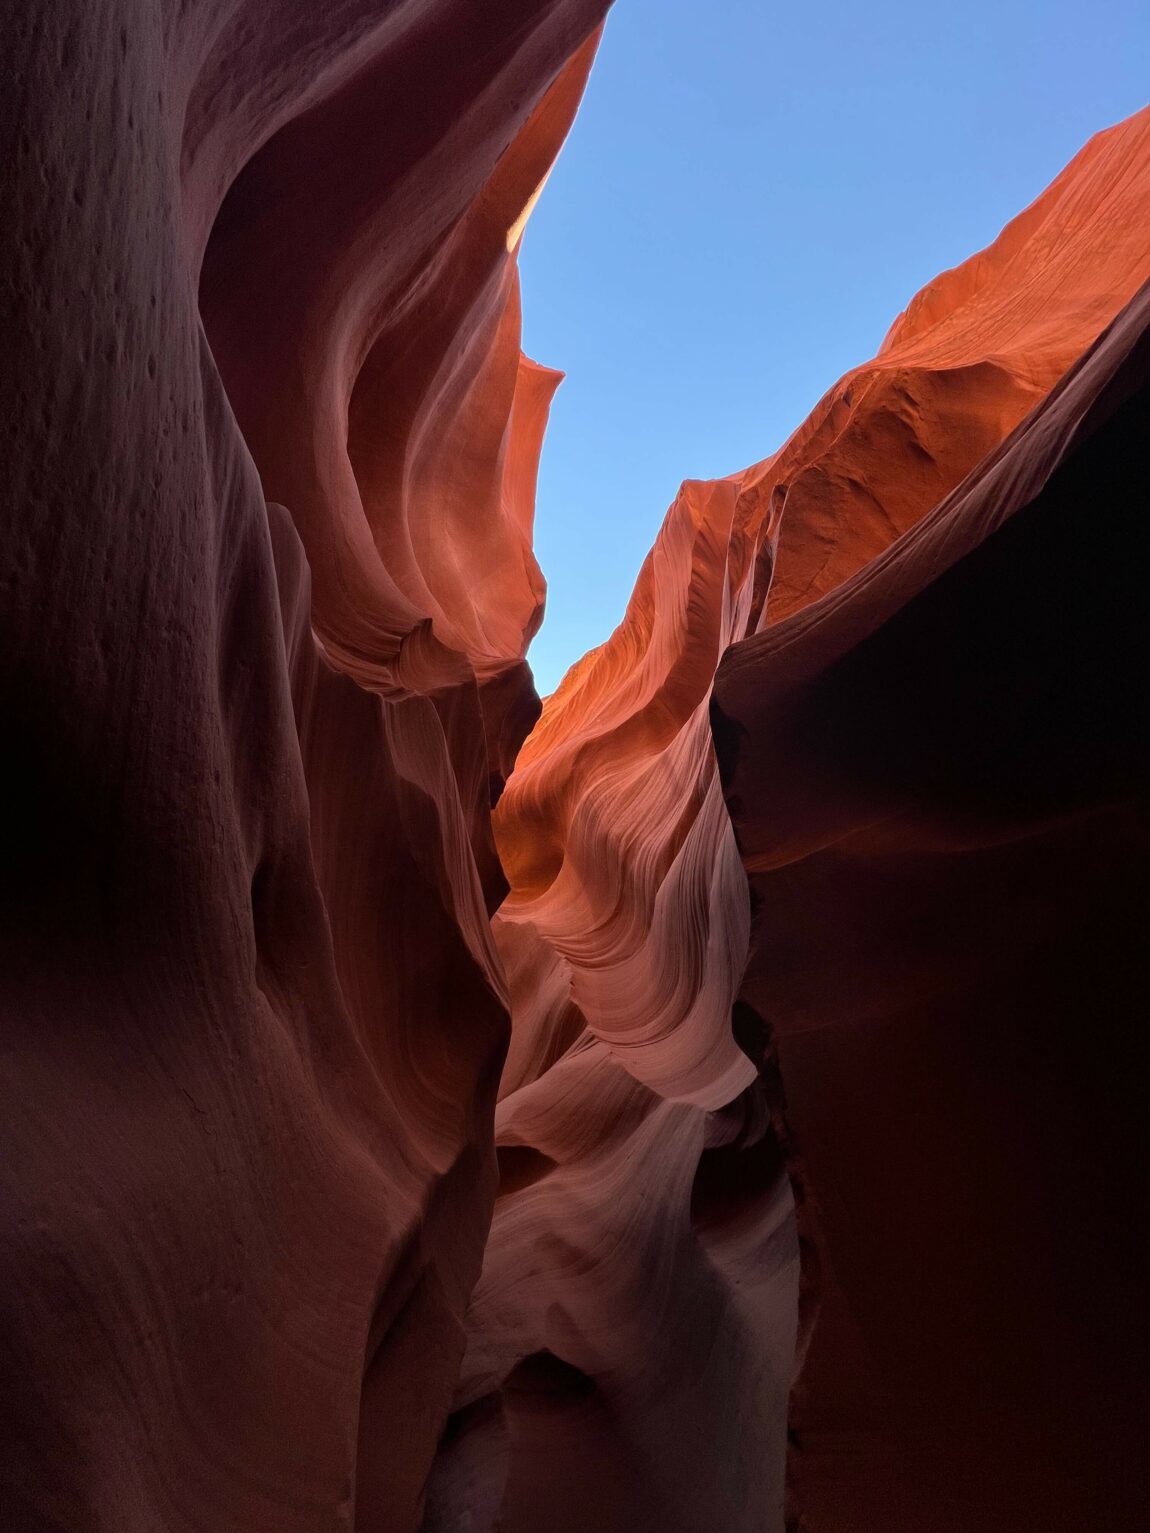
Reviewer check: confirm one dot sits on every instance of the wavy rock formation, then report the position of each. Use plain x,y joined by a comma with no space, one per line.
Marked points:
371,1164
254,1016
626,899
625,933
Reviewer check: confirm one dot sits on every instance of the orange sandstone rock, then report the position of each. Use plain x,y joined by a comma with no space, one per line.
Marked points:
609,830
625,934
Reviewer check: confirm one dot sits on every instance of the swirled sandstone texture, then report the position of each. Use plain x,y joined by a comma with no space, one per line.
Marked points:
617,851
625,937
256,251
270,455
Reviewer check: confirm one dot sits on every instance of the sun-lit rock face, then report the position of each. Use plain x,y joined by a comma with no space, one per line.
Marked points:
619,858
625,934
253,1013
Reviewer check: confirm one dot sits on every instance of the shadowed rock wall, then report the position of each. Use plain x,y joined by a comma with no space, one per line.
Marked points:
253,1014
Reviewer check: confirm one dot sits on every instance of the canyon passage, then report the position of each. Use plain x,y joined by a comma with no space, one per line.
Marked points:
710,1099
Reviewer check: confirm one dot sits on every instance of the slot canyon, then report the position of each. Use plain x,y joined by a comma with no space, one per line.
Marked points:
713,1098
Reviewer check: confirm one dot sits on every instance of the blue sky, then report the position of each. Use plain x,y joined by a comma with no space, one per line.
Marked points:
750,194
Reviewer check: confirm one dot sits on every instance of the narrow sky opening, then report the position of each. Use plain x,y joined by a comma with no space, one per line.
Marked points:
751,193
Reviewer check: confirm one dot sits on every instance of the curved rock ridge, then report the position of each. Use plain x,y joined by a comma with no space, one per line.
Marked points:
938,777
254,1013
377,377
625,934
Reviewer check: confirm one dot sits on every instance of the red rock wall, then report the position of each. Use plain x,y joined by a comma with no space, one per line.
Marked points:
253,1014
626,941
938,778
270,461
